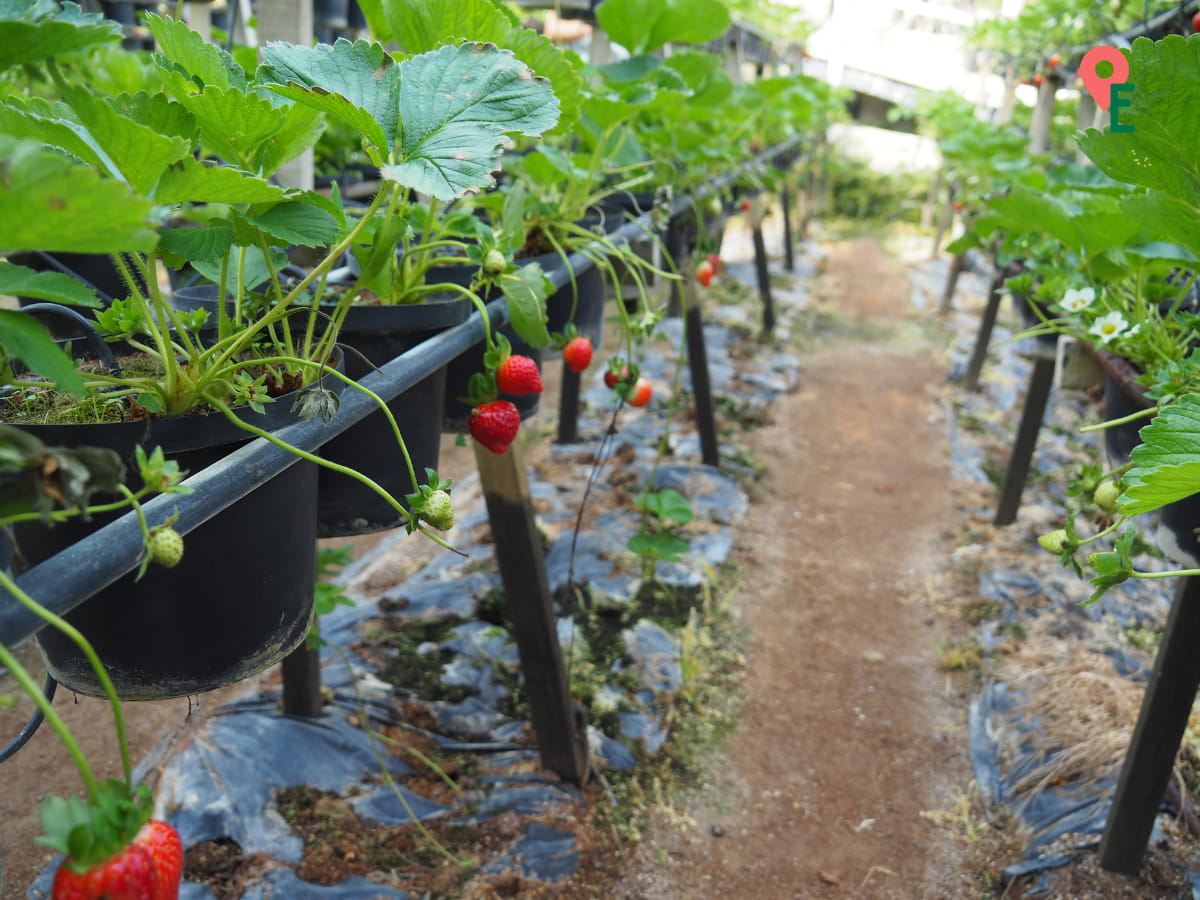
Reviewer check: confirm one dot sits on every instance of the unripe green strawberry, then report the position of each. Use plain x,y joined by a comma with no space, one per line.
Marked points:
494,263
165,546
1055,541
1106,496
439,510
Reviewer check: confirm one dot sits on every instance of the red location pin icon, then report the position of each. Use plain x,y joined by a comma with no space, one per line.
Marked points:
1098,86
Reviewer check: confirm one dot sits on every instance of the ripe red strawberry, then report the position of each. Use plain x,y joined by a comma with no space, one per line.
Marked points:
1196,22
578,354
745,205
1038,79
149,868
519,375
1054,61
612,379
704,273
495,424
641,393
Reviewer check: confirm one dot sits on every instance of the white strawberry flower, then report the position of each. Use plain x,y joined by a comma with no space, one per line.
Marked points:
1109,327
1076,299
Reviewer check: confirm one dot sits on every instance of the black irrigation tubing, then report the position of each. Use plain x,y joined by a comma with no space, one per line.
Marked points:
35,722
76,573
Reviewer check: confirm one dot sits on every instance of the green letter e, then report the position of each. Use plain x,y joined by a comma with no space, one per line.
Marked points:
1116,101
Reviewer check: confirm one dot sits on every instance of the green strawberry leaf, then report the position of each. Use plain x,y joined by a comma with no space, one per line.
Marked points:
191,180
159,112
562,70
31,32
47,202
182,50
1158,152
667,504
643,26
1167,464
658,545
18,281
419,26
525,293
255,269
358,84
1166,216
138,152
36,119
24,338
180,245
250,131
298,222
458,103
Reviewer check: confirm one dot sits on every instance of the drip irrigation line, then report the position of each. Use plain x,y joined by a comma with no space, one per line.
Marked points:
32,725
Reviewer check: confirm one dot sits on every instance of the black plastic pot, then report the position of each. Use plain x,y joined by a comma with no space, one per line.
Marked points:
1178,533
375,335
96,270
241,598
1123,396
581,303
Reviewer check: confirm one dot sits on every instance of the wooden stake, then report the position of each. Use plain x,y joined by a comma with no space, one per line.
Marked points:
1040,382
986,323
568,407
697,350
302,682
557,720
764,280
1166,706
957,264
789,252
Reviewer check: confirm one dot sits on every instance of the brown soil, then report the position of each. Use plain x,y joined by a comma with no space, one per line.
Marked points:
848,773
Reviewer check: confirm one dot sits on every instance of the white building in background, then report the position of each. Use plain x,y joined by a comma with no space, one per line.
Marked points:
888,51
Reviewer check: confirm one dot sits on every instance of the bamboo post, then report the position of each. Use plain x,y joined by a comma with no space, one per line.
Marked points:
1166,706
557,721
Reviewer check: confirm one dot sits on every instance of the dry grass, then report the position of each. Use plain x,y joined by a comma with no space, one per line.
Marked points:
1085,710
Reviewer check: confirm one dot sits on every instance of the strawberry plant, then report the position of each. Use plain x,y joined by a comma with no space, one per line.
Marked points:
112,847
159,180
664,513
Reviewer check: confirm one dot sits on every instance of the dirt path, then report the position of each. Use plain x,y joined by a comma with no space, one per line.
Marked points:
848,734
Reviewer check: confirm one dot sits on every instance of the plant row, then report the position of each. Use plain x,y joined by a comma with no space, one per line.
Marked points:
241,305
